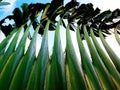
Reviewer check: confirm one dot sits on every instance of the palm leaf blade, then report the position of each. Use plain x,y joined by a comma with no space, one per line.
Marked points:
98,64
115,59
42,60
87,66
117,37
24,68
10,49
11,64
112,70
74,73
56,79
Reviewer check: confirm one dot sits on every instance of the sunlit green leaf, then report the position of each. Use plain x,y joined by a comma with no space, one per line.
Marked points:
115,59
87,65
21,69
10,49
41,64
117,36
24,67
12,62
110,67
74,74
99,66
5,41
55,79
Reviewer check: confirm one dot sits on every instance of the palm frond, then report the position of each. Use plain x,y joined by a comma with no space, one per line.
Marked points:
62,70
21,69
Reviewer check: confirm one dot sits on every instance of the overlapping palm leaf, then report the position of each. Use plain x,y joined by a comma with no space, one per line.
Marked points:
20,70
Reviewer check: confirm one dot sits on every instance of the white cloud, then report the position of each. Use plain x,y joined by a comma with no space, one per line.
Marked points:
2,36
7,10
10,1
10,7
106,4
102,4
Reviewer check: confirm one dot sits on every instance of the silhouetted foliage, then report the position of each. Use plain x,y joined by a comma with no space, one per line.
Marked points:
73,12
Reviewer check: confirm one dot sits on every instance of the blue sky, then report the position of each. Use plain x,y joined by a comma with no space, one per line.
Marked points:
17,3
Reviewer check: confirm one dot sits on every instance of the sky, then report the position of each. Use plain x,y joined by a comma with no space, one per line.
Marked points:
17,3
102,4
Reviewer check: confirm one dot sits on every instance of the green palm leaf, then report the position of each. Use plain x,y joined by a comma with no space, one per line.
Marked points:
74,73
25,65
23,70
11,48
99,66
37,76
110,67
55,79
87,66
12,62
61,71
115,59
